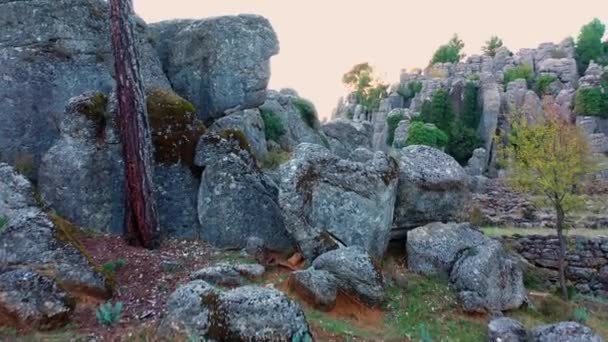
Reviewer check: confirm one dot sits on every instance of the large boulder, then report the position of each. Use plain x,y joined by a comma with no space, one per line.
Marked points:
253,313
318,287
51,51
236,200
355,272
564,332
30,243
186,315
504,329
284,105
432,187
490,97
82,175
220,64
227,274
31,300
486,278
250,123
327,200
345,136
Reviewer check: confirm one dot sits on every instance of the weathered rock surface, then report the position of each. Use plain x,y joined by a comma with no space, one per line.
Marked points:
236,200
327,200
51,51
249,122
345,136
318,287
476,164
253,313
432,187
220,64
506,329
226,274
30,300
564,332
355,273
82,175
30,241
480,270
186,315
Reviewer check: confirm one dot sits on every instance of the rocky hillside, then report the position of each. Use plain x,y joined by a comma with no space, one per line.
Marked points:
269,218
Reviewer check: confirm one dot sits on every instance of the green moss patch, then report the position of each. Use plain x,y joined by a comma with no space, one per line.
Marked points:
175,128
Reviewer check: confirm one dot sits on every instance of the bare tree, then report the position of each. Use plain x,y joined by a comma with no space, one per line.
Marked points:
141,219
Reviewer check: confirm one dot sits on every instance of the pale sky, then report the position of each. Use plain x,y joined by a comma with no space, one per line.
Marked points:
321,39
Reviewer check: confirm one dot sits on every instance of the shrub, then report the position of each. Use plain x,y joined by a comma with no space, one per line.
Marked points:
492,45
580,315
308,113
543,82
589,101
426,134
410,90
273,126
274,159
463,141
555,308
108,314
392,121
471,111
450,52
439,111
112,266
476,216
589,44
523,71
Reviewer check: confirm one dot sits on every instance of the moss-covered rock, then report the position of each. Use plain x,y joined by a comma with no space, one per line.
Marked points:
175,129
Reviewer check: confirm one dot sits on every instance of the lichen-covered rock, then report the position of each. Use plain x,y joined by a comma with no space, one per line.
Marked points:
253,313
488,279
30,241
327,200
186,315
32,301
564,332
221,64
226,274
249,122
563,68
345,136
476,164
318,287
506,329
479,269
355,273
82,175
55,51
236,200
434,248
490,97
432,187
297,130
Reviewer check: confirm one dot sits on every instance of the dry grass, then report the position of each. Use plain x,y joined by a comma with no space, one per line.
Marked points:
508,231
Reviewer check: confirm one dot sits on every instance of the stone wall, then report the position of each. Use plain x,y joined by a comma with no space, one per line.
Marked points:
587,259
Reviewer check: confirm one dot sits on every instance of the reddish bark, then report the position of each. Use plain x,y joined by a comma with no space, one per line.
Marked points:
141,219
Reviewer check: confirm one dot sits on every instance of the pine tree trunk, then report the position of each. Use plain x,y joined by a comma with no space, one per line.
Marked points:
141,219
562,250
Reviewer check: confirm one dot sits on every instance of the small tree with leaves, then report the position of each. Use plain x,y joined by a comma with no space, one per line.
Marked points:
450,52
589,44
550,159
492,46
368,89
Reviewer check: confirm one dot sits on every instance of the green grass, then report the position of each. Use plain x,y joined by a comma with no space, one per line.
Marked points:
507,231
336,326
430,303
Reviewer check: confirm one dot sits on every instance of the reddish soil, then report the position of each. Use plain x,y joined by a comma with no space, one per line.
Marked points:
143,284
